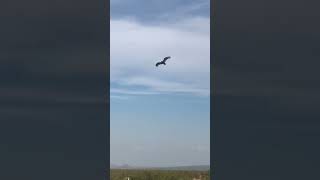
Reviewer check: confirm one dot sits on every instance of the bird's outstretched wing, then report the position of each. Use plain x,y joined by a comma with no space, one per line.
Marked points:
166,58
158,63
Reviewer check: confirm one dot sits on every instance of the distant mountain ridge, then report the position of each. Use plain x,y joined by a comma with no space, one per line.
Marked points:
186,168
124,166
174,168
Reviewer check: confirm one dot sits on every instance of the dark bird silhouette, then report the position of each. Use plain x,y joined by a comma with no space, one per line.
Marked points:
163,61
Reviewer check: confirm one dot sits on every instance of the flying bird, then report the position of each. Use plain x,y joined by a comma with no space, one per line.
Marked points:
163,61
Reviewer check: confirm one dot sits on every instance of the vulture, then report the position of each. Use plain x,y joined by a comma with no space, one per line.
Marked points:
163,61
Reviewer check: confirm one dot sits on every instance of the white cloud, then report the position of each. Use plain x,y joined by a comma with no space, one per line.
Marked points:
119,97
158,86
135,48
132,92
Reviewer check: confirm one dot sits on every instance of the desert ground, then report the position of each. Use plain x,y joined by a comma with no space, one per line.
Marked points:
147,174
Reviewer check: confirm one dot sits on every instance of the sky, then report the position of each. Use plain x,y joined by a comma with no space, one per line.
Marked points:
160,116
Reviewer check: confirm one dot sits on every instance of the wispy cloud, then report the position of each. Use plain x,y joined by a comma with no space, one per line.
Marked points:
117,97
158,86
136,47
131,92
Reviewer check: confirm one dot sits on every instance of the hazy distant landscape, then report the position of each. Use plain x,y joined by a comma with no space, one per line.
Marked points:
176,168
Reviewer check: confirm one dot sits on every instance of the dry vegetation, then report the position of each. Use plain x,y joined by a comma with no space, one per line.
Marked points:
121,174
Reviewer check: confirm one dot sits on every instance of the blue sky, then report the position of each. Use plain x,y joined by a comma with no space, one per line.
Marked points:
160,116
